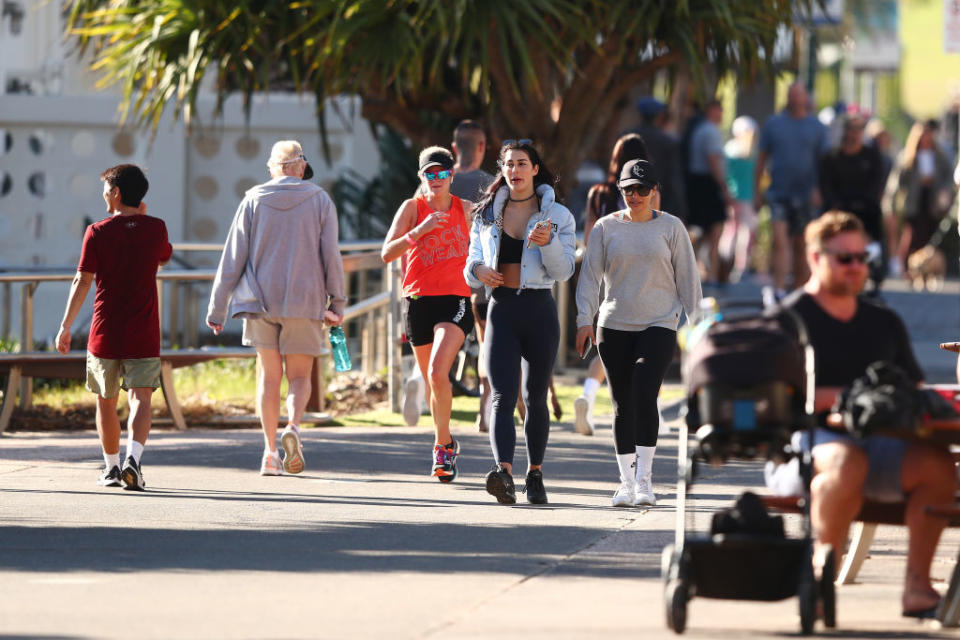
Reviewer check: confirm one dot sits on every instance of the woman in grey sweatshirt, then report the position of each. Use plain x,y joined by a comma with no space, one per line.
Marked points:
649,273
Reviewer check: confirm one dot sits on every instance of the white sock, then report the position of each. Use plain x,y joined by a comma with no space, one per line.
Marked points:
134,449
590,387
626,462
111,459
645,462
294,427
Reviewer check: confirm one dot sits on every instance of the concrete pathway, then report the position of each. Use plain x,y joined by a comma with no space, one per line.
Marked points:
365,544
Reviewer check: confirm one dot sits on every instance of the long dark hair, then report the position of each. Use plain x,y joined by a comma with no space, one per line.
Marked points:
604,197
543,176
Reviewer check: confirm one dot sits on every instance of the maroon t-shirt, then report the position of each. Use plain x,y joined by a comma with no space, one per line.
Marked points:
124,252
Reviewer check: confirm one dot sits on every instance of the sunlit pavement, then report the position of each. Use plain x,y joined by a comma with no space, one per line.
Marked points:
365,544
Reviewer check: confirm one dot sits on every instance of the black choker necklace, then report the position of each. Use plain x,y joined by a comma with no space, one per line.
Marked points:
524,199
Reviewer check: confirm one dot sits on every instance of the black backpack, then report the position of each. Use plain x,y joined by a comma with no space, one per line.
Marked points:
883,400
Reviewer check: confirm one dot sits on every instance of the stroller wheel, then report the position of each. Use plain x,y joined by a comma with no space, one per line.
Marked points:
675,596
666,563
828,592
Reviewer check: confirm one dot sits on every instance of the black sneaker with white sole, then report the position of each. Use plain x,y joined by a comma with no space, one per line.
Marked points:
110,477
500,485
131,475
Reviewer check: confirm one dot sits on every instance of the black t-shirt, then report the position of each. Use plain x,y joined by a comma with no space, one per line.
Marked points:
843,350
853,183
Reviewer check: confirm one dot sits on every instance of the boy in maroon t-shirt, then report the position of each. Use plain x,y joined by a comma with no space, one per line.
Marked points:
123,253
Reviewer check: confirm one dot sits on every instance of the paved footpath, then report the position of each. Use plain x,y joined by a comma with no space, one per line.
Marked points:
364,544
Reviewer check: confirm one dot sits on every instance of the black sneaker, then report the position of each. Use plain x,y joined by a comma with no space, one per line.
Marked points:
500,485
132,476
536,493
110,477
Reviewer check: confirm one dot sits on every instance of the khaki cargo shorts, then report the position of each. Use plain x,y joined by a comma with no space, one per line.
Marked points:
286,335
104,374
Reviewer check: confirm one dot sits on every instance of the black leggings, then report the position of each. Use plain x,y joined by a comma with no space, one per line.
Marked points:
635,363
522,332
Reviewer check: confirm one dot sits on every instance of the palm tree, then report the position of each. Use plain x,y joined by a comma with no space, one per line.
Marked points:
556,71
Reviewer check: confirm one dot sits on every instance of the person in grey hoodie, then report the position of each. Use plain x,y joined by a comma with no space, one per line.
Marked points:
281,272
649,272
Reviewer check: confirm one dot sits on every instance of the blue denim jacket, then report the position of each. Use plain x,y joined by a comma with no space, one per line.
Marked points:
540,267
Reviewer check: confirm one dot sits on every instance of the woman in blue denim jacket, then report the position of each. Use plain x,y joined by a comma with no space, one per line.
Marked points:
521,242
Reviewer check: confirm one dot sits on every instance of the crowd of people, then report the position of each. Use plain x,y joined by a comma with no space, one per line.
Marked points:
484,252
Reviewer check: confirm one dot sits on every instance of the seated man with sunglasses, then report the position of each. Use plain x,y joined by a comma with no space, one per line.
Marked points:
849,332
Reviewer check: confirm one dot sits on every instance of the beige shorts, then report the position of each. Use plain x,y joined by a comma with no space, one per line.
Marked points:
104,374
286,335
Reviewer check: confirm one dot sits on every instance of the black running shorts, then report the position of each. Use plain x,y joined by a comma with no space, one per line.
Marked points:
423,313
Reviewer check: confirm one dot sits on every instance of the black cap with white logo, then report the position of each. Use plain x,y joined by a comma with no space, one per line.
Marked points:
638,172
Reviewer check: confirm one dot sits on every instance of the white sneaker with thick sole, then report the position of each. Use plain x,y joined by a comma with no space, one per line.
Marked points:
271,465
412,393
292,450
581,418
625,495
645,496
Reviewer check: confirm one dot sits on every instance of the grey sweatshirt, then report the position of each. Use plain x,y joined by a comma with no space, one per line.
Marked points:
649,274
281,257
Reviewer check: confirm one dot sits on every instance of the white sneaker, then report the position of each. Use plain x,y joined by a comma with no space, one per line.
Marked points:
644,496
582,422
625,495
271,465
293,461
412,393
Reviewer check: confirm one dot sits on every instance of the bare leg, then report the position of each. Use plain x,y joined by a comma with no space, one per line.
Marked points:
929,477
447,340
713,240
268,394
801,272
595,370
108,424
836,492
779,258
139,421
481,326
903,248
555,402
298,368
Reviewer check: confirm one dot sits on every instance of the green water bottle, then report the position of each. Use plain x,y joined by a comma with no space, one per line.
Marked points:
338,344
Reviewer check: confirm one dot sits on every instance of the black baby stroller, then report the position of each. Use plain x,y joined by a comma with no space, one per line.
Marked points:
749,384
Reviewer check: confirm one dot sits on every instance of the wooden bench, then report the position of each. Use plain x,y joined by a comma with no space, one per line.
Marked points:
72,365
864,527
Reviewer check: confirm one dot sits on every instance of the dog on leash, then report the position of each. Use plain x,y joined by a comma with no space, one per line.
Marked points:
926,268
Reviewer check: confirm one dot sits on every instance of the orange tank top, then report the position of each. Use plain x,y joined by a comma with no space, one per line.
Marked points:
435,264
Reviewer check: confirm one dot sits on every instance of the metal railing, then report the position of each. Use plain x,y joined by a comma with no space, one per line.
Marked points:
375,315
371,315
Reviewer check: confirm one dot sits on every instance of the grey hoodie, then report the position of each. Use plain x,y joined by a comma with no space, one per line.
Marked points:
281,257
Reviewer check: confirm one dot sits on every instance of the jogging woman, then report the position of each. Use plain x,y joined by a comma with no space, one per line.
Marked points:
521,242
432,231
649,273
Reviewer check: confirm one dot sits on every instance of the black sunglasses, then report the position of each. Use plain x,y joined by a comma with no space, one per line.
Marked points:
848,257
520,141
635,189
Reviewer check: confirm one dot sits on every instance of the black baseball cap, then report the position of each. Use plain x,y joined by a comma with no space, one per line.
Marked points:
307,172
435,156
638,172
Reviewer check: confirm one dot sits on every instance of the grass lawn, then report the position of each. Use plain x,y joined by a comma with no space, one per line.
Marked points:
464,412
227,387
